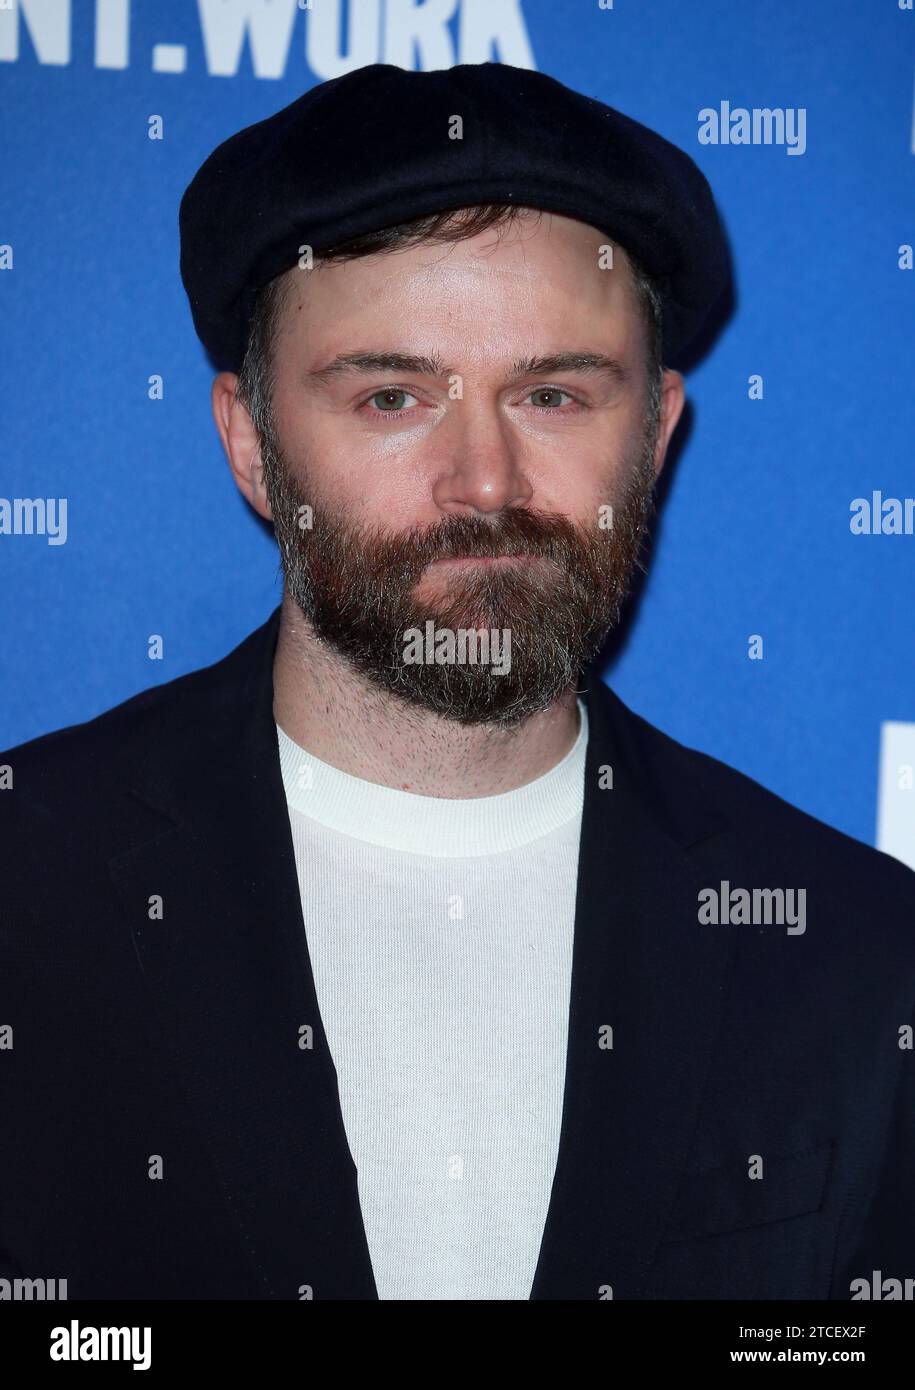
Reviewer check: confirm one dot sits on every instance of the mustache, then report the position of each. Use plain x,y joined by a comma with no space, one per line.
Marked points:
516,531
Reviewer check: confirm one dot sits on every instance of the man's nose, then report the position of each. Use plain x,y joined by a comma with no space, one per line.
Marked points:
480,461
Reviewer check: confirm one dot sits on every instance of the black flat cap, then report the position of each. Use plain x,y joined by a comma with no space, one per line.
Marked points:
371,149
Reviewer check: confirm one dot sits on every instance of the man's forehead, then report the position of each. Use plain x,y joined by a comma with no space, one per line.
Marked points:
330,342
596,272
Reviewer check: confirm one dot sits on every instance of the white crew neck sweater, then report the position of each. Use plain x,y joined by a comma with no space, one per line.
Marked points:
440,938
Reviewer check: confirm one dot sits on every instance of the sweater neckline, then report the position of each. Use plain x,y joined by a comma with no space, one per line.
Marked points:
441,826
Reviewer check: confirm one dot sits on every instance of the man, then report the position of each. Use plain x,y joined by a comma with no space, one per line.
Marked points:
393,956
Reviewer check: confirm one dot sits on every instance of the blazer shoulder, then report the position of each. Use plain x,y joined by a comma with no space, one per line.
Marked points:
84,760
758,814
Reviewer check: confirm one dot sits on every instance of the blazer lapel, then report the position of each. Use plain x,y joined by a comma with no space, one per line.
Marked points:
230,979
643,967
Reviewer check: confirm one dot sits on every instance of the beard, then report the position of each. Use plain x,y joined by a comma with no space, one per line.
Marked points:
357,587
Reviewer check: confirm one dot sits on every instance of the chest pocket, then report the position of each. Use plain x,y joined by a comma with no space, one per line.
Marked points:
727,1199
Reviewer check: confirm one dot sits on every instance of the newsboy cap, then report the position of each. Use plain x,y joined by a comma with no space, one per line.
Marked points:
376,147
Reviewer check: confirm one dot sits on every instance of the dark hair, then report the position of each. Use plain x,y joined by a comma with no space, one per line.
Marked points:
257,373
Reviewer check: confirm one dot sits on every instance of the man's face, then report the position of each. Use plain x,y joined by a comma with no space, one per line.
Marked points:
457,482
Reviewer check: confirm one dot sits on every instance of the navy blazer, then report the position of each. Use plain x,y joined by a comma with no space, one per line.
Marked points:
739,1108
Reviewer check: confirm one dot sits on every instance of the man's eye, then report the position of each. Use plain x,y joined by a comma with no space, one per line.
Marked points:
390,400
540,392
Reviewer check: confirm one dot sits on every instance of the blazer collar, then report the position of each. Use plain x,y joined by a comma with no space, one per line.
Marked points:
229,973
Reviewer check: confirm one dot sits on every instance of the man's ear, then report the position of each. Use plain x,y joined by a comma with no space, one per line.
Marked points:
241,442
673,398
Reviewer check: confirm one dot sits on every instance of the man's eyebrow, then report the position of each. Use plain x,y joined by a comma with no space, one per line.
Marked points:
419,364
595,362
416,364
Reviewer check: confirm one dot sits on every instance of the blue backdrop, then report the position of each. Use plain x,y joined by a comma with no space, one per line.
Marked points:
803,404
